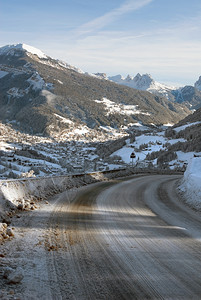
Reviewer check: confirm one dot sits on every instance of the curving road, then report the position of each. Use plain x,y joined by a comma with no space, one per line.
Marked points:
125,240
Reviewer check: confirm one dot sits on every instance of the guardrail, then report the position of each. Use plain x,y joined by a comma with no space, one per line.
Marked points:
24,190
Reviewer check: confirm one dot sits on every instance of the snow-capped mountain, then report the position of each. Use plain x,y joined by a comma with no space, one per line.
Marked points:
140,82
16,49
10,50
37,93
188,95
145,83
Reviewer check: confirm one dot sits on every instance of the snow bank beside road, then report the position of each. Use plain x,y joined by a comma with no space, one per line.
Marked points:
191,183
25,193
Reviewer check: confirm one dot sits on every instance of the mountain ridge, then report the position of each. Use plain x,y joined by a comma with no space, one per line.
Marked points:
33,89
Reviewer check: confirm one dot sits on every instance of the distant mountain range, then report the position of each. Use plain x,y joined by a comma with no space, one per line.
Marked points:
188,95
39,94
143,82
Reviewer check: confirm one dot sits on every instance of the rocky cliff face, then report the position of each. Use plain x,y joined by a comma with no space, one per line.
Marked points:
198,84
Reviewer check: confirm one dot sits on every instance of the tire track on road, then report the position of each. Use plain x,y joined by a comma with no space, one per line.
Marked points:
111,245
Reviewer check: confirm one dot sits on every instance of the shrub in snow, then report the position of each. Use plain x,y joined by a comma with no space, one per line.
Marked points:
11,174
143,147
165,157
113,159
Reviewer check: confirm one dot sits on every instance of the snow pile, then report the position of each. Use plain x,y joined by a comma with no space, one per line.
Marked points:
25,193
191,183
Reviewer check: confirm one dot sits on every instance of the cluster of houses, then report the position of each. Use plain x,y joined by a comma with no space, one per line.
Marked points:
21,153
50,159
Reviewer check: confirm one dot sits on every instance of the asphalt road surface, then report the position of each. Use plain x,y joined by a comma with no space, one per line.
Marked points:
126,239
130,240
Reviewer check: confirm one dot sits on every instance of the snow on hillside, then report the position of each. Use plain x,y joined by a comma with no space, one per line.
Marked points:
8,50
3,73
47,60
191,184
16,92
67,66
36,82
180,128
113,108
145,144
64,120
153,142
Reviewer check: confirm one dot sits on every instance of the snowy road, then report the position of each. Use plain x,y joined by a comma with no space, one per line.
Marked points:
115,247
129,240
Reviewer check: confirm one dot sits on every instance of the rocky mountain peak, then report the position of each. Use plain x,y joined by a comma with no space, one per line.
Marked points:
128,78
101,75
140,82
143,81
198,84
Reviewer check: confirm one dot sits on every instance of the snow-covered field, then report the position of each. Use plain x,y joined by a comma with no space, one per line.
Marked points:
180,128
152,143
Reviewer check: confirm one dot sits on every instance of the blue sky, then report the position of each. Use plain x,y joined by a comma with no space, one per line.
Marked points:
159,37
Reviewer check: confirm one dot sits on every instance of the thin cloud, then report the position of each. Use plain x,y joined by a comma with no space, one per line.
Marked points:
111,16
172,50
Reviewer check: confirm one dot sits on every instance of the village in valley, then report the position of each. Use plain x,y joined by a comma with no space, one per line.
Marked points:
81,150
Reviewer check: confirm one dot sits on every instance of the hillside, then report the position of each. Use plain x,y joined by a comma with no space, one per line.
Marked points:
189,96
41,95
189,129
